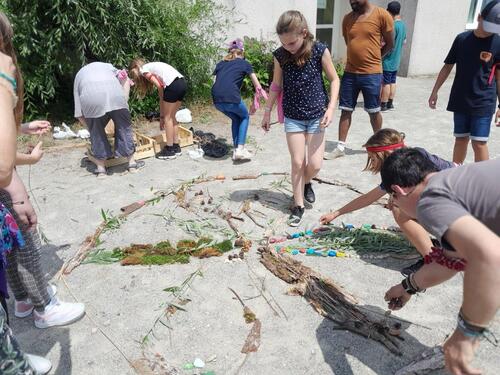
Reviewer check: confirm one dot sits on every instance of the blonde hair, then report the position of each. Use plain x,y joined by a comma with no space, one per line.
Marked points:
6,47
383,137
293,21
141,84
234,53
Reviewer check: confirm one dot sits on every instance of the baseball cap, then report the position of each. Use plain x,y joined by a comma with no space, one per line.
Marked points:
236,44
491,17
394,7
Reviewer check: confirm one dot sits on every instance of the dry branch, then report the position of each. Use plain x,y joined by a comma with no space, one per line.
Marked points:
328,299
255,176
346,185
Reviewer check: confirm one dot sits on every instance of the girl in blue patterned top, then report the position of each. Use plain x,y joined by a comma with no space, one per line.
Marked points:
298,67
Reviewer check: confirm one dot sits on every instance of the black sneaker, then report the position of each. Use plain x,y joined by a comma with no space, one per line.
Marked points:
309,193
296,216
384,107
412,268
177,149
168,152
390,106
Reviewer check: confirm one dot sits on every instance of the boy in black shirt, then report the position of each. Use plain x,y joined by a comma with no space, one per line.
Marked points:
474,91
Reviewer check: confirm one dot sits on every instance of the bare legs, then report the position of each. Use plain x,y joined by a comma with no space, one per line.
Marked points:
388,92
171,125
460,150
376,121
306,154
346,120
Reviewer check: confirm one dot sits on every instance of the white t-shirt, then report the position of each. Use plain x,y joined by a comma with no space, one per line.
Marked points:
166,73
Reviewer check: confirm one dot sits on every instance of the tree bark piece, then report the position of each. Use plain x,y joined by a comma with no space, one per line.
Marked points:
252,342
328,299
429,360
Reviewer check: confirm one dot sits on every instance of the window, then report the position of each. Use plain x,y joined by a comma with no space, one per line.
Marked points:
474,10
324,22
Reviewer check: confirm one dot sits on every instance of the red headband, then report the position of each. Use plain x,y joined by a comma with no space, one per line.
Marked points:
385,148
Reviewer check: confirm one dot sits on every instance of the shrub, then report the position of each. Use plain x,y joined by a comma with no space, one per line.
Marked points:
259,53
54,38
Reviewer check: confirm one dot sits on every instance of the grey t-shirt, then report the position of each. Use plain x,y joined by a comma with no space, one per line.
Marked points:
97,90
472,189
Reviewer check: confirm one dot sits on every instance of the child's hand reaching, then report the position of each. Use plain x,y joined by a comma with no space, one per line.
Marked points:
327,218
37,127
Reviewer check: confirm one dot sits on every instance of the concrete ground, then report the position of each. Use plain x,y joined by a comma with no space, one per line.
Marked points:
124,302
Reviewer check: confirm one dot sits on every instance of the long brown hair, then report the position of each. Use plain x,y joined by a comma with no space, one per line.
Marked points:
141,84
383,137
293,21
6,47
234,53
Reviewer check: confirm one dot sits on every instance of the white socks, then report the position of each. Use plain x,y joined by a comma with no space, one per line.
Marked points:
341,145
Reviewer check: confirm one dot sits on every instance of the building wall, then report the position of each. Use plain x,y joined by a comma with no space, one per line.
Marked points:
257,18
436,25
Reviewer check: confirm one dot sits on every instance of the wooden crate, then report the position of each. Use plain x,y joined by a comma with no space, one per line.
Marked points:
185,139
144,148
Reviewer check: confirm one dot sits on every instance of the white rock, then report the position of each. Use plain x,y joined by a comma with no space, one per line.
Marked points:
198,363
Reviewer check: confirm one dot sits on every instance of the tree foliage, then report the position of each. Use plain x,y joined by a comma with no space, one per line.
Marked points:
55,38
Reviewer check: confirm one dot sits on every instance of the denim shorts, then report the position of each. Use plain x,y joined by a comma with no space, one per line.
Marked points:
390,77
303,126
475,127
368,84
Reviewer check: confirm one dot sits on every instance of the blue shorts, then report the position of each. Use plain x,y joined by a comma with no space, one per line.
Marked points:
368,84
390,77
475,127
303,126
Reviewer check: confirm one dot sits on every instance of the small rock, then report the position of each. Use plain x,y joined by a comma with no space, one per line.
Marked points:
106,323
94,331
198,363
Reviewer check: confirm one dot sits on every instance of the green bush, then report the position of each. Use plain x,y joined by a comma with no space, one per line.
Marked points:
259,53
55,37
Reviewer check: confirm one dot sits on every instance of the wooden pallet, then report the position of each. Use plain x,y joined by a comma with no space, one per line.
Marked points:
144,148
185,139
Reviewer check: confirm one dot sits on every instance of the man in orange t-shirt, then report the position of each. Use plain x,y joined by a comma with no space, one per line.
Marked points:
363,30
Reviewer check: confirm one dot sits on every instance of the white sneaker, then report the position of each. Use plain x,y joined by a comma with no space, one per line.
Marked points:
58,313
242,154
41,365
337,153
22,309
234,155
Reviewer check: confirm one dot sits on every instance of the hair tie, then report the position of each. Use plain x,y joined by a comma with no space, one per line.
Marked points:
385,148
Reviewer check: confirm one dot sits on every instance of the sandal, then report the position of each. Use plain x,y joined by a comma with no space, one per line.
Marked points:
132,168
